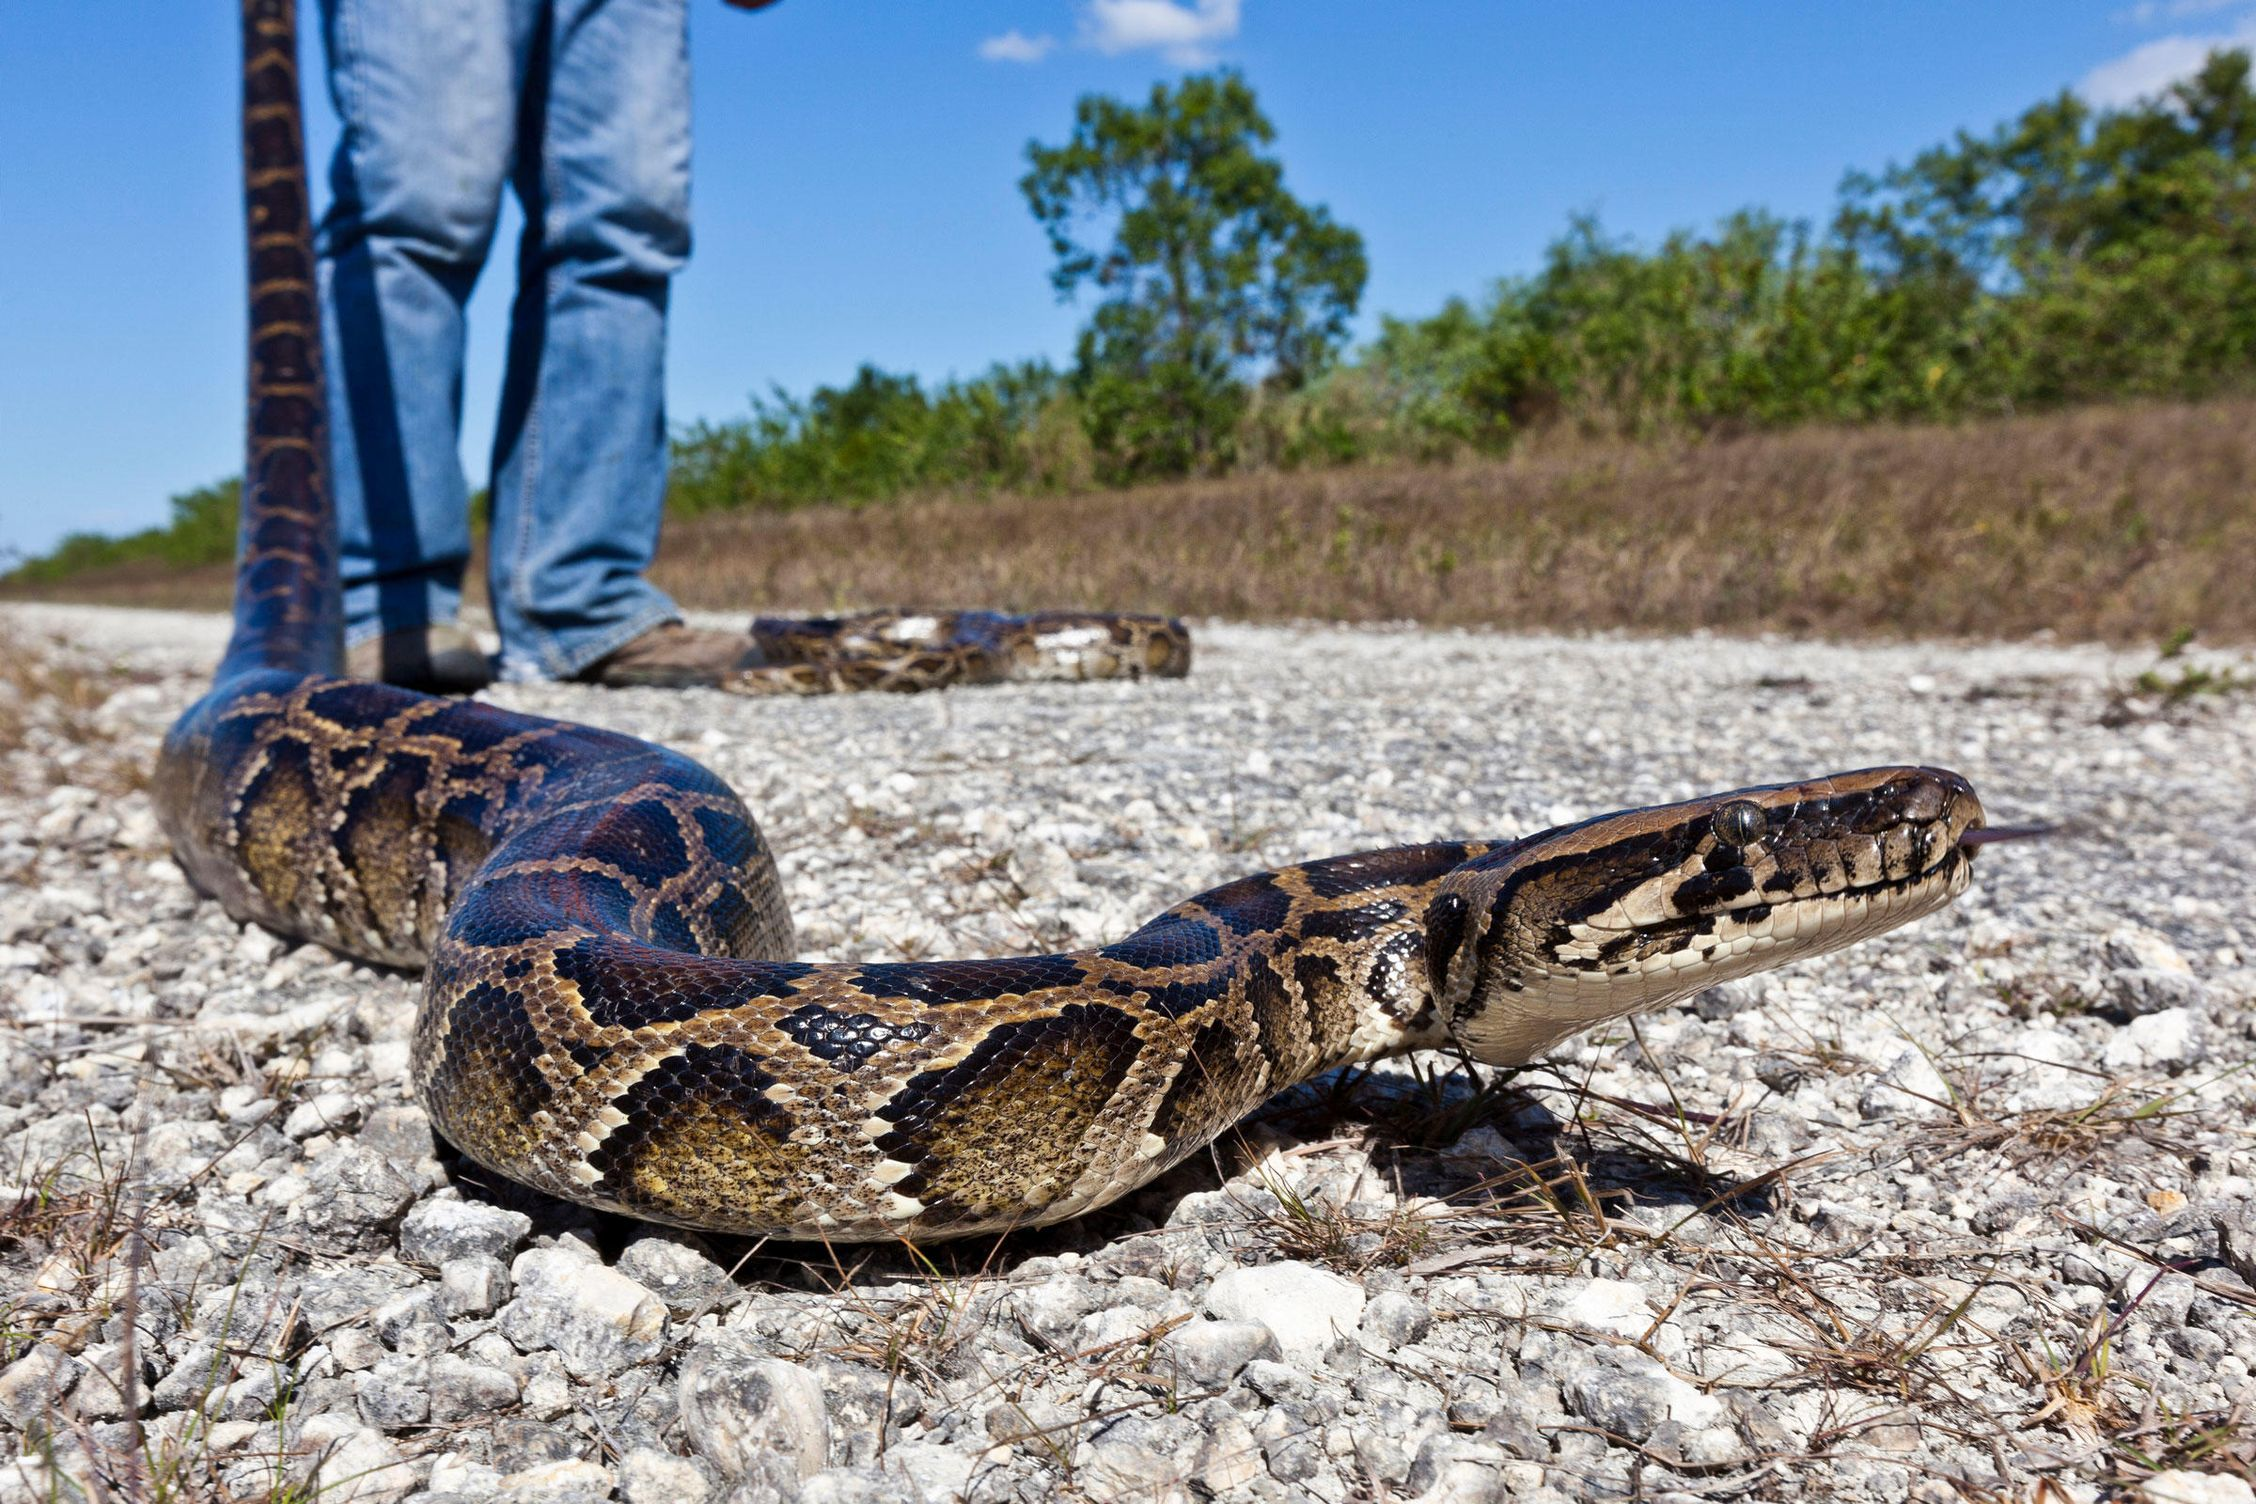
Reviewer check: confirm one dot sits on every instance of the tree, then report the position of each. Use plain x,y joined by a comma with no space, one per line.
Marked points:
1211,275
2078,254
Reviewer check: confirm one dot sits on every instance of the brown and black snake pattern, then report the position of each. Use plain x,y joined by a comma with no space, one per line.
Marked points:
611,1012
914,650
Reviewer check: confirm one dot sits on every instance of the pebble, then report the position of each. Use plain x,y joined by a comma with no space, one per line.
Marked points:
1306,1308
687,1281
2166,1040
649,1476
439,1232
1209,1354
2181,1487
747,1414
353,1202
596,1319
351,1462
33,1385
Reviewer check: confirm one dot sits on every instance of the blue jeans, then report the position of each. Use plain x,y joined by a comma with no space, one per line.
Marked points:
583,107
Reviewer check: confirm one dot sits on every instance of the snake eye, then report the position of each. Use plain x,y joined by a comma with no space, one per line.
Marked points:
1740,823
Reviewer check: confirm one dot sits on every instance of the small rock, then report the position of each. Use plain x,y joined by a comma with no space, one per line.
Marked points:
1228,1459
1209,1354
1603,1305
2134,994
519,1444
1394,1319
1457,1470
410,1323
102,1389
2171,1037
568,1480
2134,947
354,1200
1051,1312
740,1410
1040,868
402,1134
350,1461
438,1232
472,1286
932,1471
688,1282
2235,1222
327,1113
1631,1395
860,1485
864,1408
1307,1308
1910,1087
396,1393
1133,1458
35,1384
649,1476
462,1390
453,1475
596,1319
2179,1487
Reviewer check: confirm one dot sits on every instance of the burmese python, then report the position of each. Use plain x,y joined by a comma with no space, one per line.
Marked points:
611,1011
912,650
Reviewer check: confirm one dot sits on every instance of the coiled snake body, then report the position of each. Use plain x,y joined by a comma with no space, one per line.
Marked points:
611,1011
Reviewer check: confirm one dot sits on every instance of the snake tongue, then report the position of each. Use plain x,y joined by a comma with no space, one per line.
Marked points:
1986,835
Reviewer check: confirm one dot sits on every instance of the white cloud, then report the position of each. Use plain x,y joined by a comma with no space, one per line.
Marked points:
2147,12
1185,34
2149,68
1015,46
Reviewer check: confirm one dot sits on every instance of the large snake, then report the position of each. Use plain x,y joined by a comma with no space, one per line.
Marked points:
611,1010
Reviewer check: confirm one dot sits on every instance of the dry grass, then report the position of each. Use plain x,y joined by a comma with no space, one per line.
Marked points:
2127,523
2120,523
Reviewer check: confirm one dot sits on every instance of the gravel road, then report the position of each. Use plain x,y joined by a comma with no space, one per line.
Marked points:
1959,1212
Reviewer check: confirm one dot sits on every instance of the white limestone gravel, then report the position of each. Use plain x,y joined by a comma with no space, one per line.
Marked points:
1957,1212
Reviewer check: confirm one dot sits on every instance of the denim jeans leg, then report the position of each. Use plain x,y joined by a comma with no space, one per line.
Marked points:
425,91
580,451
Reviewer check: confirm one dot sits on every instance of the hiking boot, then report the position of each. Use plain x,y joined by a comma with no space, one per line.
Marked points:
672,656
439,659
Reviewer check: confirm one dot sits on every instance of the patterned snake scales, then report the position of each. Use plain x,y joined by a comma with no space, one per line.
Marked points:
611,1012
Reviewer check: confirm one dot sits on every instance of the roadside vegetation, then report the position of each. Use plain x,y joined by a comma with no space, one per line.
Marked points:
2126,523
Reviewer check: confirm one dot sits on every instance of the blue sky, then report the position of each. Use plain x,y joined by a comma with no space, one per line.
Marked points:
857,161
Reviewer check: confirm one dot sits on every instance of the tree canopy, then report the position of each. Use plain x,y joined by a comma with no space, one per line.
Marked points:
1210,275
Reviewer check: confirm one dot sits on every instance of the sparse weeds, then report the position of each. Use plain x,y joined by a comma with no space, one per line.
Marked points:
2191,681
49,730
912,1339
2172,683
2162,1440
2067,1134
1334,1232
2075,1385
71,1218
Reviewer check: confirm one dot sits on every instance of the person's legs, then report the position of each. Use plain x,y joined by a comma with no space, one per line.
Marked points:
426,91
580,452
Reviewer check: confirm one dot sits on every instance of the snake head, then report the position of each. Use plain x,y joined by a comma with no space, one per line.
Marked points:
1538,940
